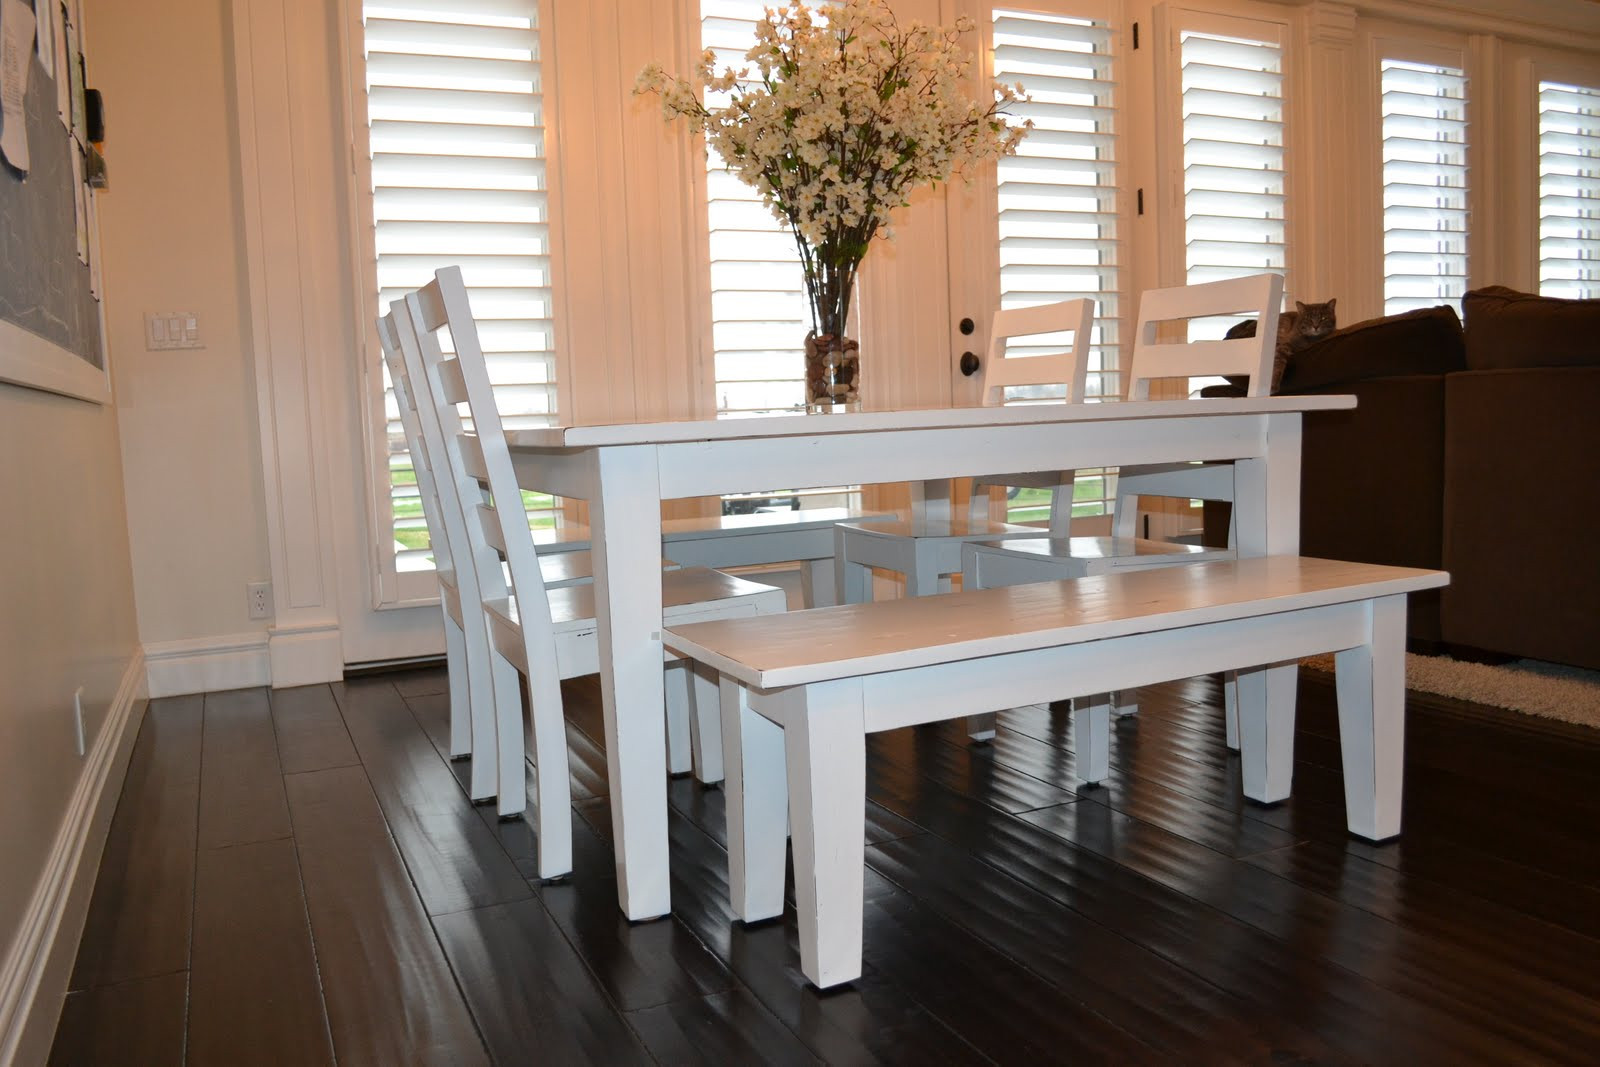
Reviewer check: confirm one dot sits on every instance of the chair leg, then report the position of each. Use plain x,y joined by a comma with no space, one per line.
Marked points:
547,746
455,652
1091,737
922,574
499,759
1230,708
756,800
819,584
680,743
981,727
1121,707
705,730
852,581
825,749
1266,731
483,697
1371,683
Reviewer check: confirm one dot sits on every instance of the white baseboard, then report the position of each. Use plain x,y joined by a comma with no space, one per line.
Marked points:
34,975
208,664
306,654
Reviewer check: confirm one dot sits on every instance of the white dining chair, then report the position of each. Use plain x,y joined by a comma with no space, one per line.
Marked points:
543,634
1156,355
925,545
564,563
466,638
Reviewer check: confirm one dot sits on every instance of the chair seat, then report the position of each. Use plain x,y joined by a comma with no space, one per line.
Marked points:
1116,551
1038,559
684,594
956,527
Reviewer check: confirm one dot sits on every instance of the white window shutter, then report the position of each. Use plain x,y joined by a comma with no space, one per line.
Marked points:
456,135
1057,201
1233,160
1569,190
1424,185
1057,197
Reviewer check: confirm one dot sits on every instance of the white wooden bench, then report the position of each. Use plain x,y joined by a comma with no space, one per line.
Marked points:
800,692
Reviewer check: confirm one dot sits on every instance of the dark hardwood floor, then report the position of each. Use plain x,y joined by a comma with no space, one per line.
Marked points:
298,878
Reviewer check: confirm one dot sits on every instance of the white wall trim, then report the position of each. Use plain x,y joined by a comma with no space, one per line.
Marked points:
305,654
34,975
208,664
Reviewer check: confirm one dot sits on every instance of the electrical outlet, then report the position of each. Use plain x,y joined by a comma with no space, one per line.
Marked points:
260,595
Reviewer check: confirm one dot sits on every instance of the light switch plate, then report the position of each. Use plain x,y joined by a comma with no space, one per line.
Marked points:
166,330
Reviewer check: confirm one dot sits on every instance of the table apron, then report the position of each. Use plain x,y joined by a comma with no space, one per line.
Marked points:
565,472
708,468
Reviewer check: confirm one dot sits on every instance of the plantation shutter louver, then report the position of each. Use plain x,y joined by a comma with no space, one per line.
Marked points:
1057,201
759,313
456,139
1424,185
1569,190
1233,161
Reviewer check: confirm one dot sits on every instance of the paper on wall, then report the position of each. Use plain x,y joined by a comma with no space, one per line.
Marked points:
16,61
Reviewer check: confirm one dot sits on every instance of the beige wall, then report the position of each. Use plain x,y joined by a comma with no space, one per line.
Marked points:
171,242
66,616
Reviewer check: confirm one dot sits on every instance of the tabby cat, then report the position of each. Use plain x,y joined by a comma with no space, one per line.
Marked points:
1297,330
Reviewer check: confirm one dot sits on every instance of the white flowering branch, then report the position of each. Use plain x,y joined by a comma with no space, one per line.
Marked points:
847,114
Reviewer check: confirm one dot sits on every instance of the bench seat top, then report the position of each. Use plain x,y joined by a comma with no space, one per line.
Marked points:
799,647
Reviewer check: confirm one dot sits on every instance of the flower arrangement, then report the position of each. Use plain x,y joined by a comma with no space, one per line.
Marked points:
848,112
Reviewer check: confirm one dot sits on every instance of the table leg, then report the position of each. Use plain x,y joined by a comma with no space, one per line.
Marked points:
625,520
1267,523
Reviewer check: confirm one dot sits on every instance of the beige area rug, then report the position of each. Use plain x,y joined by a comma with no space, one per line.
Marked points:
1529,686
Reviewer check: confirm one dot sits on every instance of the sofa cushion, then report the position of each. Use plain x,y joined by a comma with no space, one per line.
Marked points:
1425,341
1507,329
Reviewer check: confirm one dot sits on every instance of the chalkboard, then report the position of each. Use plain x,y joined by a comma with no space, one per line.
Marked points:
44,287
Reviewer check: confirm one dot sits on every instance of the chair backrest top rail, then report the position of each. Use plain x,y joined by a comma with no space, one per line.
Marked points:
858,639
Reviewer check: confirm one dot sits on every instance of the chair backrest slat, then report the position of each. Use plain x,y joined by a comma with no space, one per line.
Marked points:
489,519
455,388
1069,368
1260,295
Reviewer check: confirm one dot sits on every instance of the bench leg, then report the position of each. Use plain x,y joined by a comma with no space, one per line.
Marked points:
680,759
1091,737
825,746
981,727
1266,731
756,803
705,724
818,583
1371,682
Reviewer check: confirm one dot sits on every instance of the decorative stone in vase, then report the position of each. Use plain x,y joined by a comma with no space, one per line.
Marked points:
833,373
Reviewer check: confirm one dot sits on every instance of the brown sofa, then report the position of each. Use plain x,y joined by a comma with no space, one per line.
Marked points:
1476,450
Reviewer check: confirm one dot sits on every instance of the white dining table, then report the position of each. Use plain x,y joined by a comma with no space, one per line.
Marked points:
624,471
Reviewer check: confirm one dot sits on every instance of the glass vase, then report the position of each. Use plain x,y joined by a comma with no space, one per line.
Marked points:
833,373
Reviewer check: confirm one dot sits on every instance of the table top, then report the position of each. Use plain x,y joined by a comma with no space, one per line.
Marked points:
798,424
